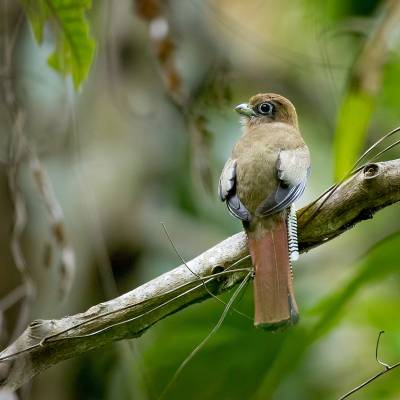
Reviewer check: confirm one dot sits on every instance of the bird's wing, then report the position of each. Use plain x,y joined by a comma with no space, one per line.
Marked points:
293,168
227,191
227,180
293,165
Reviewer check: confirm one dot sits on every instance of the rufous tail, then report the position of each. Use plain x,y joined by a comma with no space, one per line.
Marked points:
274,301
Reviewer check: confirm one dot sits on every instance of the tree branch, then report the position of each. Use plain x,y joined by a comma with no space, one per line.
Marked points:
47,342
386,369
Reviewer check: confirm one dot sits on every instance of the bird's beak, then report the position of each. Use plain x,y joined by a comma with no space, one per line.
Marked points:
245,109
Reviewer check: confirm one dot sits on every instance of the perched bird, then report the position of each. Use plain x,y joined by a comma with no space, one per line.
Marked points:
266,173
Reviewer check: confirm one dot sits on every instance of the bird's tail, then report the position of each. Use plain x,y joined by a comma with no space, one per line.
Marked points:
274,301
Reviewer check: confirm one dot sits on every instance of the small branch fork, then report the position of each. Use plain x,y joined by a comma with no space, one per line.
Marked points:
47,342
386,369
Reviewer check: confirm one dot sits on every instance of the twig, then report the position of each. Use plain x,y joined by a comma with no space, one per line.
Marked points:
197,275
376,352
354,169
386,369
55,217
205,340
16,152
187,100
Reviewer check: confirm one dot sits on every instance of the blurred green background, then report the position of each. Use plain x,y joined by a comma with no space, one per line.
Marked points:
123,154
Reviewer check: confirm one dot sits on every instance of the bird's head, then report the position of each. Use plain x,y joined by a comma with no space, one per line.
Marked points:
266,108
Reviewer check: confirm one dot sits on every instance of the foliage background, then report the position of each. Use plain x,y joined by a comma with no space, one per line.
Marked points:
127,151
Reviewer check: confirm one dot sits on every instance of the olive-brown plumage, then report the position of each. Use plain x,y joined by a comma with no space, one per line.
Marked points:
266,173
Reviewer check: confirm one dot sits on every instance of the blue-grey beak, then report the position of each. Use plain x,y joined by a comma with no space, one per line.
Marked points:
245,109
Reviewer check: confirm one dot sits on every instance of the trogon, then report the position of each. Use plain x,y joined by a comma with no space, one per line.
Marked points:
266,173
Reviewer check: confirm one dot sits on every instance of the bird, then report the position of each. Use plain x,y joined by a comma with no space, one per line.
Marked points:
265,174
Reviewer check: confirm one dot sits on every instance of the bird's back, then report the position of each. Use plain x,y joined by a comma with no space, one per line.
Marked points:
256,153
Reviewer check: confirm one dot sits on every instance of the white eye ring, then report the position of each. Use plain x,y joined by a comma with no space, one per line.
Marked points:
265,108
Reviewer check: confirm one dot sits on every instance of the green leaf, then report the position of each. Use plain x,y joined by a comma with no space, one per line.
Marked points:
74,50
352,123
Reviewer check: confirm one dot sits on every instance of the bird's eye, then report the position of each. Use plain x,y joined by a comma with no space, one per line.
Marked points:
265,108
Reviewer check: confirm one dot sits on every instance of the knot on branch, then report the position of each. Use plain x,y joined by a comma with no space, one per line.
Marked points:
371,171
217,269
221,278
39,328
